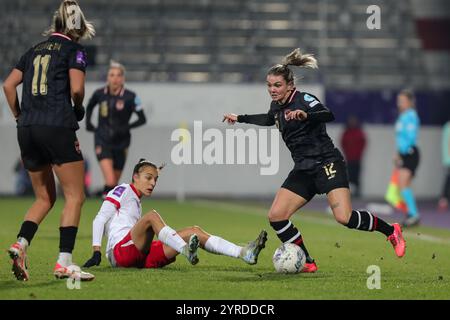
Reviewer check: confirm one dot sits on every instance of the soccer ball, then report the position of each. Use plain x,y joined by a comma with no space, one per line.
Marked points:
289,258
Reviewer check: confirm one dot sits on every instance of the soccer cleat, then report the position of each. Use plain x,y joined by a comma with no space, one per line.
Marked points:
192,247
250,252
73,271
310,267
396,238
410,222
19,262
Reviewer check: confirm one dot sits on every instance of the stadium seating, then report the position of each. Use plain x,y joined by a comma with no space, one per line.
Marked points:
234,40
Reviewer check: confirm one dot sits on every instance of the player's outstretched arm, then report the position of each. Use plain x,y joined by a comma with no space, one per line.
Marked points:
262,119
106,212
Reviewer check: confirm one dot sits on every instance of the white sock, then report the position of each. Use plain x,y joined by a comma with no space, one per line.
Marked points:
65,259
170,237
221,246
23,242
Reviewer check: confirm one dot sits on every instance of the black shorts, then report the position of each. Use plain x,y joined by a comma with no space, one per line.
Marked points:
42,145
410,160
308,183
118,156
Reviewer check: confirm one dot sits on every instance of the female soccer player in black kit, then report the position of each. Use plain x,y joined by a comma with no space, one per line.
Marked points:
319,166
52,75
112,135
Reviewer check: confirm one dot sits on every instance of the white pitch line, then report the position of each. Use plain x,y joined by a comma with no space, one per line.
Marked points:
322,221
426,237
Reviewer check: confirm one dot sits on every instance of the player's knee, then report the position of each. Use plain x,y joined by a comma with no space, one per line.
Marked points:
76,198
276,214
79,198
152,216
342,219
47,201
197,230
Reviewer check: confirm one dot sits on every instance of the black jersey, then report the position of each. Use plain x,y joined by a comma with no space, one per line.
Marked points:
114,114
46,98
308,140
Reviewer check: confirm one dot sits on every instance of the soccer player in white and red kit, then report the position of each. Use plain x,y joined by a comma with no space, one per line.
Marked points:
130,235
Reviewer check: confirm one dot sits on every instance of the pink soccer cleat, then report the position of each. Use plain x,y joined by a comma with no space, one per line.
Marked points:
19,262
396,238
72,271
309,267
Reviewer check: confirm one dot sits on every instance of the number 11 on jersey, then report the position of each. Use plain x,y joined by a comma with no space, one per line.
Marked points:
39,61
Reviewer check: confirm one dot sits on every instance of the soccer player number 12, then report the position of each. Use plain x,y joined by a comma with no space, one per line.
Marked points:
39,61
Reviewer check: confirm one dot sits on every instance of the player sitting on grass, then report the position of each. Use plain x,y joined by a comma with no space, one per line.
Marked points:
130,236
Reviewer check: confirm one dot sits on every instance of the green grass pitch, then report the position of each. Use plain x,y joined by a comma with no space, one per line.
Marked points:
343,257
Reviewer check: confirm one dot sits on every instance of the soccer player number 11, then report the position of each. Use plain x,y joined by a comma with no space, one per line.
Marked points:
39,61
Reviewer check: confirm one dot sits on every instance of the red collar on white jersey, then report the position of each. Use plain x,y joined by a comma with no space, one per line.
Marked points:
135,190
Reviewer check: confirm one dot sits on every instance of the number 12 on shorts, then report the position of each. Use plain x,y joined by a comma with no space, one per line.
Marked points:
329,171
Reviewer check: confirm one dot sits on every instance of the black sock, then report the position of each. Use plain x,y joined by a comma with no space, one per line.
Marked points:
67,236
28,230
287,232
365,221
384,227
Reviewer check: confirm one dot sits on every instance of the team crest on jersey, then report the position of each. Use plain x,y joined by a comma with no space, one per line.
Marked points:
120,104
104,109
77,147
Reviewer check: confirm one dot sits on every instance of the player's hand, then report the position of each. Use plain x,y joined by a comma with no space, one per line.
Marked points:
94,260
230,118
79,112
296,115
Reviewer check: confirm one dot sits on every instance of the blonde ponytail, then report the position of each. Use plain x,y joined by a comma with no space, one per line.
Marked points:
296,58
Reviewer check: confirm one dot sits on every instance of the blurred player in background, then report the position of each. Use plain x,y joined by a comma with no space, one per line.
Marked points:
353,142
319,166
130,235
52,74
23,186
445,197
112,135
407,157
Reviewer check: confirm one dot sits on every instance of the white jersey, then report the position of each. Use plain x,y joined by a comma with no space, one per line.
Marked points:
120,211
